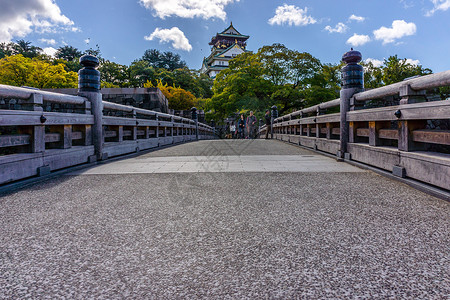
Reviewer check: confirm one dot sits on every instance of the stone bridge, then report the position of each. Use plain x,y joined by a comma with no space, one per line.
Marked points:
101,200
223,219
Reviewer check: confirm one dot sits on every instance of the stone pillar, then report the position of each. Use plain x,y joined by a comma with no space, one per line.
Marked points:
409,96
352,83
37,133
195,118
157,126
89,87
274,115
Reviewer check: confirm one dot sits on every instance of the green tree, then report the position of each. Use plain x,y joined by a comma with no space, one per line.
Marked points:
287,97
70,56
140,72
273,75
241,86
193,81
6,49
113,73
26,49
291,72
303,66
167,60
373,76
396,70
275,60
95,52
68,53
323,86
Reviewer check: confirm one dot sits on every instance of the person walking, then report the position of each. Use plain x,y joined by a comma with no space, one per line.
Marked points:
251,125
241,127
268,119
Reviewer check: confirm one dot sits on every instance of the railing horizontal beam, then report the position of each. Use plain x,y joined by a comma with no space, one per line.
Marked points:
417,84
7,91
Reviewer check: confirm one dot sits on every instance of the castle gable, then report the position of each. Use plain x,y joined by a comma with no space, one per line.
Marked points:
231,51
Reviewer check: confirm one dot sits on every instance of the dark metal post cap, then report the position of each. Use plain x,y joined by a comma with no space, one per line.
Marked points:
89,61
352,57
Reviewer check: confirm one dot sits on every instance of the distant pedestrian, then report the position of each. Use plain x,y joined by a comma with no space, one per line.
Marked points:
241,127
251,125
268,120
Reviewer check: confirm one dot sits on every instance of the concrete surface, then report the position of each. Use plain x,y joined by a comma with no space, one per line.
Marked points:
248,163
232,235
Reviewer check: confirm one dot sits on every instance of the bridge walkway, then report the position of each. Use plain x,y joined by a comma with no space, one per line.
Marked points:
223,219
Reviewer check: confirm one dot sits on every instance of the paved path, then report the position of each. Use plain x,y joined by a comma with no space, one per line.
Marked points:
153,228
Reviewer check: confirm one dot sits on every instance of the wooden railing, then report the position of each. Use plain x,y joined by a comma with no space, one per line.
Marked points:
402,139
35,141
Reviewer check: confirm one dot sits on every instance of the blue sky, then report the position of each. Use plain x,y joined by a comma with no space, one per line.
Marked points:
418,30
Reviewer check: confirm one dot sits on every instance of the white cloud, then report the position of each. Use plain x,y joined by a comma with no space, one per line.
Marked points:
407,3
173,35
358,40
356,18
375,62
291,15
398,30
48,41
414,62
19,18
205,9
438,5
50,51
87,40
339,28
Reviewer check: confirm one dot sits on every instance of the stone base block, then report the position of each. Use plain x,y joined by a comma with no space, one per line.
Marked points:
92,158
44,170
399,171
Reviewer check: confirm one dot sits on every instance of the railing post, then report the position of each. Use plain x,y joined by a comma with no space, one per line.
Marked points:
329,130
135,128
89,87
37,133
272,119
195,118
352,83
409,96
157,126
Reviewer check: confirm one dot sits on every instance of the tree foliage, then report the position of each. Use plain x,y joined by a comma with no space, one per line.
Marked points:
178,98
254,81
393,70
273,75
26,49
292,80
166,60
18,70
68,53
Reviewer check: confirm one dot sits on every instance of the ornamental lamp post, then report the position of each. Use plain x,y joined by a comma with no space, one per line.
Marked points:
352,82
89,87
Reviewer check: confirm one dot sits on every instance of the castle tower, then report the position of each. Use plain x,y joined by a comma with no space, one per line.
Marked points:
224,47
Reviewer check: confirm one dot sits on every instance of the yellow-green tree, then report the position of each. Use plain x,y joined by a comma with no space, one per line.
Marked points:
179,99
18,70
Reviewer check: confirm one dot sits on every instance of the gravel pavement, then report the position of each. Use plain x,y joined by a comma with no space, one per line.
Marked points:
218,235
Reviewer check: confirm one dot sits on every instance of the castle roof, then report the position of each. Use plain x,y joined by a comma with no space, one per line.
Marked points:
229,33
